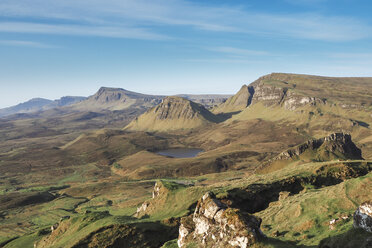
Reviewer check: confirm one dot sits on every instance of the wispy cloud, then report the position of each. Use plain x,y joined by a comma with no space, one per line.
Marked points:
142,18
354,56
306,2
237,51
221,61
80,30
26,43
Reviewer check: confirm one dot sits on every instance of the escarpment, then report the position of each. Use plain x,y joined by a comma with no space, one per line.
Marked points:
271,91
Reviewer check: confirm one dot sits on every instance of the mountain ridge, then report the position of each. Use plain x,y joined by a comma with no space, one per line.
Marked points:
39,104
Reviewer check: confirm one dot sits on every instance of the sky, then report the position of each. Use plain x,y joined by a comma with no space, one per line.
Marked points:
56,48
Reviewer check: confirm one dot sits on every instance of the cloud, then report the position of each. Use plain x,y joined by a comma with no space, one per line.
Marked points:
24,43
354,56
238,51
221,61
306,2
145,19
80,30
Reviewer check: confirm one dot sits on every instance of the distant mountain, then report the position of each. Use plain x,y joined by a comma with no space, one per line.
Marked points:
207,100
117,99
173,113
39,104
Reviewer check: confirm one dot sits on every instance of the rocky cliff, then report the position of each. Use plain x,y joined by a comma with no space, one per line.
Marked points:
213,224
293,91
173,113
272,91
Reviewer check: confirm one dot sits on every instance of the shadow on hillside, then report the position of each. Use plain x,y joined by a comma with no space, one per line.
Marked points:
276,243
224,116
350,239
143,234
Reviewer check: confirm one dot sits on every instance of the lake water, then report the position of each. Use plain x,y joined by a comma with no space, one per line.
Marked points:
180,152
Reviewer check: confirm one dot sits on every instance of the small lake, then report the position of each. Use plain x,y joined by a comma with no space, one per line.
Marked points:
180,152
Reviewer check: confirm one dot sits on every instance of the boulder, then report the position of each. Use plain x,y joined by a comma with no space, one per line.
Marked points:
363,217
213,224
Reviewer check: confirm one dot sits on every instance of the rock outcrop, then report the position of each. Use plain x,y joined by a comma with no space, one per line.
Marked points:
173,113
338,144
271,91
159,196
213,224
363,217
158,190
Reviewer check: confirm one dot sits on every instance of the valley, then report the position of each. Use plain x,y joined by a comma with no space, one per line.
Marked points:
288,152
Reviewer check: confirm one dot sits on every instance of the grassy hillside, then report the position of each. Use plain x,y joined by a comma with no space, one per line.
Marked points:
173,113
70,166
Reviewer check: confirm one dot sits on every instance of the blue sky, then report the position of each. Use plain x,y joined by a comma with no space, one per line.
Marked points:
72,47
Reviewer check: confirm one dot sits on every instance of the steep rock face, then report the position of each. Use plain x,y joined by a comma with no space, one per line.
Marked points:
266,93
213,224
337,144
363,217
271,91
171,114
238,102
293,101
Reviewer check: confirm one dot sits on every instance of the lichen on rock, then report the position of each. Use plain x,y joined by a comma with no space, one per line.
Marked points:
213,224
363,217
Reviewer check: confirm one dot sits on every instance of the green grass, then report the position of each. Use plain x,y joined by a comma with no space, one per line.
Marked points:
304,217
26,241
49,217
171,244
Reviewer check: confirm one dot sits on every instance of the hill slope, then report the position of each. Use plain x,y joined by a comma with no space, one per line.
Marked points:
173,113
237,102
